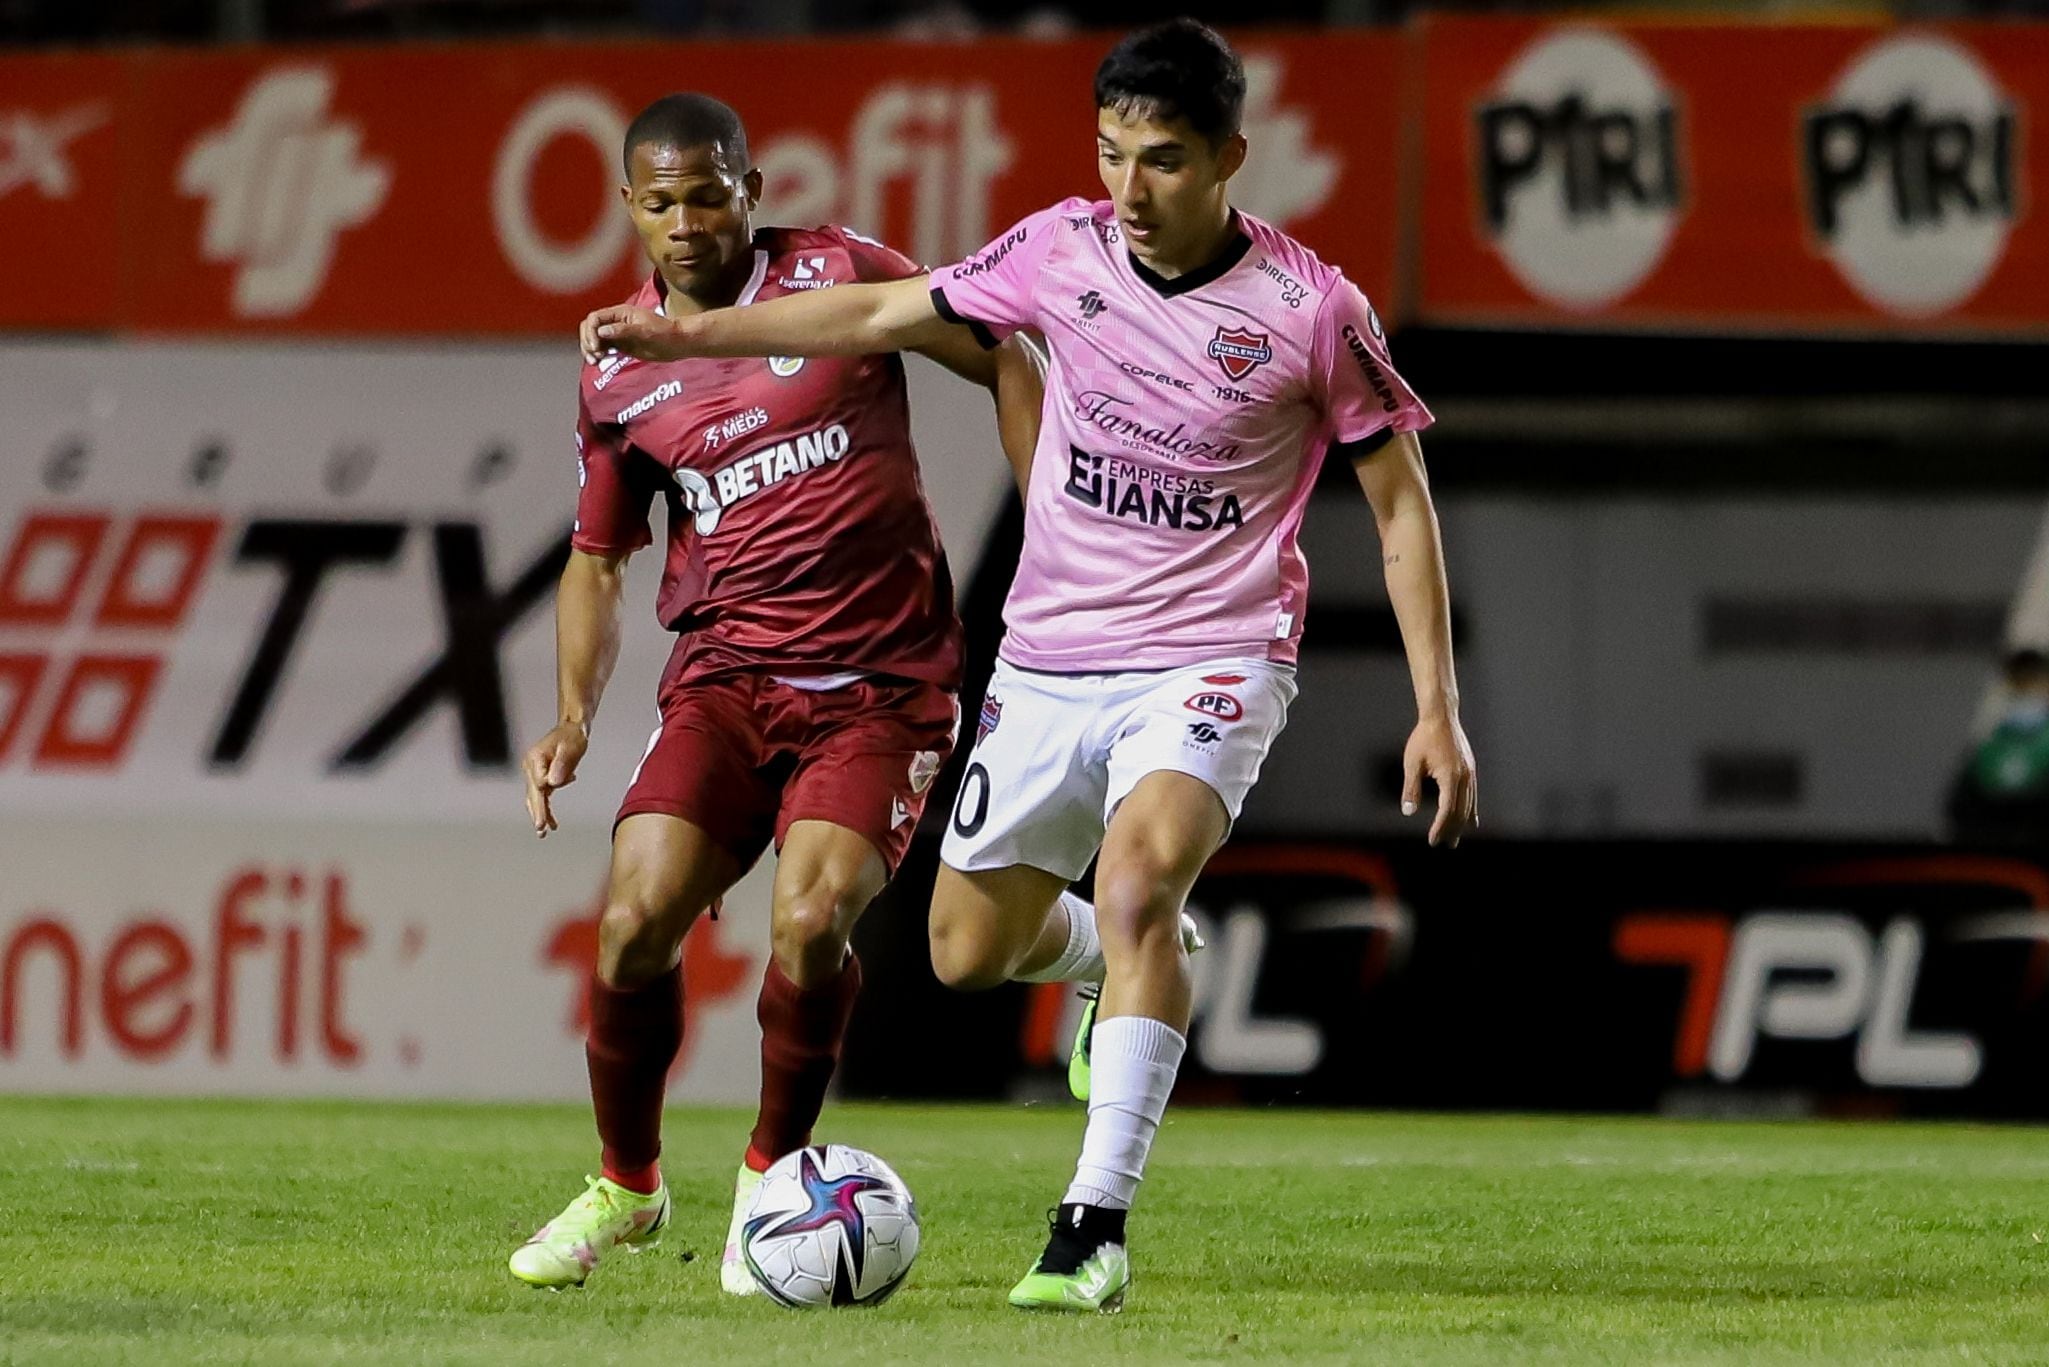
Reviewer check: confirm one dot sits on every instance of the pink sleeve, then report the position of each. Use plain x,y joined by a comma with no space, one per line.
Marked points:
993,290
1362,393
612,494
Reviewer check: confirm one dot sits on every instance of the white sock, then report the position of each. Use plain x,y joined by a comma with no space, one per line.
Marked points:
1131,1072
1082,960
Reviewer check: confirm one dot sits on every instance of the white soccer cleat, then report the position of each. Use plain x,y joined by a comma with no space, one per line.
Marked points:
733,1273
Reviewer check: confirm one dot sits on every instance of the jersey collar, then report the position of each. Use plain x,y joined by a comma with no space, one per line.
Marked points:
1231,255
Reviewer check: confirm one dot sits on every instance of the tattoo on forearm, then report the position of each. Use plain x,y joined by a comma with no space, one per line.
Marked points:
1390,560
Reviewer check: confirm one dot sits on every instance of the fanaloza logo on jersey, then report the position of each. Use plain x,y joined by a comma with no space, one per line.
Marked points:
739,425
1910,164
1240,351
707,497
1579,160
1104,411
782,367
661,393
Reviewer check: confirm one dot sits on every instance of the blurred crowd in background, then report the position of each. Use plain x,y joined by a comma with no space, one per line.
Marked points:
82,21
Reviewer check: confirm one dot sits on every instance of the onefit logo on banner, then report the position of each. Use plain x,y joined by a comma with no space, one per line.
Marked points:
72,571
1579,167
1910,167
282,182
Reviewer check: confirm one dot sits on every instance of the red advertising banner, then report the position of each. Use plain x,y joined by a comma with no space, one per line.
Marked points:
1839,177
472,189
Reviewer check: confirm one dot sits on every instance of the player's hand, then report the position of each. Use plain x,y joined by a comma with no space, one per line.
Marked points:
1438,749
551,764
638,332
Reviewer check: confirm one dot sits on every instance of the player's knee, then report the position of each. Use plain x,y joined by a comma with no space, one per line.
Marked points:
965,957
1136,901
635,943
810,933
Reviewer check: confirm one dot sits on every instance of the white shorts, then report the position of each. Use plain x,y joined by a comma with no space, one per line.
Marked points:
1056,753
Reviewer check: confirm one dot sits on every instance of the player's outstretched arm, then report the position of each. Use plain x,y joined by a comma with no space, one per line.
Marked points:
1412,553
847,320
587,603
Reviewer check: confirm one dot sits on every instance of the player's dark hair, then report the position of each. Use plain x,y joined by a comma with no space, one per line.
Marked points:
1181,69
690,120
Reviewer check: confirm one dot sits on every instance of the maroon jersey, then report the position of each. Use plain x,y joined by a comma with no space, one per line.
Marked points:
800,541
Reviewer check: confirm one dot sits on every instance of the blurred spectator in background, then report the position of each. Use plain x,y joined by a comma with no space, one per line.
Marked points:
2002,795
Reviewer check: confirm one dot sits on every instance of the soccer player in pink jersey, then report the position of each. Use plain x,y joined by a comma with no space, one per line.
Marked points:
1203,366
809,700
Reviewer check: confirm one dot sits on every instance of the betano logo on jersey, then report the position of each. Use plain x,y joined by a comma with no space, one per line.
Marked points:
707,497
1156,498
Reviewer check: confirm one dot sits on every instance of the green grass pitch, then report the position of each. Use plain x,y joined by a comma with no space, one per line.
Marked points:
183,1232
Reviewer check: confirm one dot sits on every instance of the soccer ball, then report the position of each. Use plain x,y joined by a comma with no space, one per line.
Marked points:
830,1225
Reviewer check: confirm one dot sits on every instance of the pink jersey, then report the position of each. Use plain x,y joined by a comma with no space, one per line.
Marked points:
1185,422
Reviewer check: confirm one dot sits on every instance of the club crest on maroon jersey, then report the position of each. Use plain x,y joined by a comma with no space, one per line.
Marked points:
1240,351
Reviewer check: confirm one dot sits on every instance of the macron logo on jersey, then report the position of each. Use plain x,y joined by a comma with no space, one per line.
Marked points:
661,393
707,498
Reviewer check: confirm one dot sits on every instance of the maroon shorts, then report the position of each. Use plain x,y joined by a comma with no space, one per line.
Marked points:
742,756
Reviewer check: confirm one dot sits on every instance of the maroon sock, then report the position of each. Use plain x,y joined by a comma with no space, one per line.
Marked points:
634,1036
801,1034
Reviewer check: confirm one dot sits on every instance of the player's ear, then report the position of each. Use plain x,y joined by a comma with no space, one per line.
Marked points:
1230,156
751,183
626,195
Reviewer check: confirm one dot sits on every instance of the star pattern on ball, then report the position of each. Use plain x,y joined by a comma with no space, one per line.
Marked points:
833,1201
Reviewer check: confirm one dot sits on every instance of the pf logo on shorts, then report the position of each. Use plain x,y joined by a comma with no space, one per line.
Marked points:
1222,706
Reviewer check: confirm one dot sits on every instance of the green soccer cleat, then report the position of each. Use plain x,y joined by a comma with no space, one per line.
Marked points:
607,1216
734,1275
1084,1269
1085,1032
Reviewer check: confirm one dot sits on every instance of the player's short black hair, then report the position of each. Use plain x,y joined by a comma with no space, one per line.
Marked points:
690,120
1181,69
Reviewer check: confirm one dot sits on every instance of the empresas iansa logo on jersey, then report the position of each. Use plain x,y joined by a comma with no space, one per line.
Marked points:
1911,164
1579,161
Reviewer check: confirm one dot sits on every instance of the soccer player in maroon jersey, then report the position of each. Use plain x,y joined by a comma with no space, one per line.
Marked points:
809,700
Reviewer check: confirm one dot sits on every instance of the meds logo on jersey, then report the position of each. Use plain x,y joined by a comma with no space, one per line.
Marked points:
1579,168
785,366
1910,165
1240,351
1222,706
